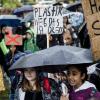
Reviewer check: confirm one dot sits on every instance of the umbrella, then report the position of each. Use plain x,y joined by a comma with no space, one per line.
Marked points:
54,57
10,20
25,8
28,17
75,18
74,6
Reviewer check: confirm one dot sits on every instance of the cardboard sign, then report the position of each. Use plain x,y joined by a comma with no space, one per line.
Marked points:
93,24
90,6
95,43
48,20
13,39
92,15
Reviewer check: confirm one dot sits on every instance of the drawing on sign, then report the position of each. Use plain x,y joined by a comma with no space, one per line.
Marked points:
48,20
11,39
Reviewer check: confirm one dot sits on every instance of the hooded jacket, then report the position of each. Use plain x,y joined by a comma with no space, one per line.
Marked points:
28,43
84,92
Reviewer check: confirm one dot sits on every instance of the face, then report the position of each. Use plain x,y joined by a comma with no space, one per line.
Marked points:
30,74
67,38
28,35
74,77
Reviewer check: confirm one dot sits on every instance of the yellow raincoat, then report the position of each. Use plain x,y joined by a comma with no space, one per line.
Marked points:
2,87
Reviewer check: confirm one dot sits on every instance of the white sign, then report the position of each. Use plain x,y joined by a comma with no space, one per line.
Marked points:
48,20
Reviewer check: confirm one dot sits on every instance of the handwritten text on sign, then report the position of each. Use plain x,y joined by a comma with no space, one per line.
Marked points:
91,6
92,15
93,24
48,20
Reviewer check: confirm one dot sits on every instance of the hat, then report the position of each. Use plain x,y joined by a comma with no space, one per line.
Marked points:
30,32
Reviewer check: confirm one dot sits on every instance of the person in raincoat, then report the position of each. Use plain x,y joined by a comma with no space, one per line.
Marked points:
81,89
33,88
28,43
2,87
29,89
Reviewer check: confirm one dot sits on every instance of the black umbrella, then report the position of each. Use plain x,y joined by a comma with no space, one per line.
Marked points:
10,20
54,57
74,6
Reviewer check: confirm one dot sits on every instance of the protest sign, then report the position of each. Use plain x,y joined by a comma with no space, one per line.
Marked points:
48,19
90,6
92,15
93,24
12,39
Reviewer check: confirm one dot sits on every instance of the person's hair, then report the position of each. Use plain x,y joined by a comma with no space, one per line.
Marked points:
82,68
3,25
25,85
67,20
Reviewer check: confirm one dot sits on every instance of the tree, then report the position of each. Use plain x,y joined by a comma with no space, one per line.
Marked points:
29,1
10,3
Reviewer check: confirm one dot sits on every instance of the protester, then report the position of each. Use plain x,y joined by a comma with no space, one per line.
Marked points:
29,88
2,87
53,40
51,89
84,36
9,57
34,88
28,43
66,24
73,32
81,88
30,26
3,51
8,62
67,38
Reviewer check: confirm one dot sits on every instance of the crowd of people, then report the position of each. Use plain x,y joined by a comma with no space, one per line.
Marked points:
32,84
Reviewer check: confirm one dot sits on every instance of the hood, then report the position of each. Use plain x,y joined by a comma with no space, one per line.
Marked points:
85,85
